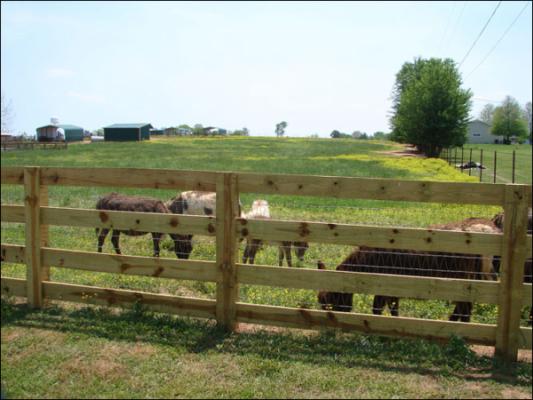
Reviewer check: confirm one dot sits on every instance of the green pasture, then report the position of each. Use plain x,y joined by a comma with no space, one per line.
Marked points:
226,354
503,162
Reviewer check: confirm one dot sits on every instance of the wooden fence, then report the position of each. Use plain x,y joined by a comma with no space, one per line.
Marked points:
17,145
509,293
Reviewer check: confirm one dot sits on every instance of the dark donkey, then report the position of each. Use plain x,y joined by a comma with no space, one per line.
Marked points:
408,263
119,202
415,263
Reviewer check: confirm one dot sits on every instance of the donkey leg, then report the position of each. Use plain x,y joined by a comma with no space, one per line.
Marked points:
281,254
156,238
394,306
462,311
253,250
101,238
288,254
115,235
246,253
378,305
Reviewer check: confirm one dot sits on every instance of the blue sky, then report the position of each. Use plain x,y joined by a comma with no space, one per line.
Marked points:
317,65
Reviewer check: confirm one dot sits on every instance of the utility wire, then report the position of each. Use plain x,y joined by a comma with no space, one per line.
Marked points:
480,33
500,39
456,24
448,24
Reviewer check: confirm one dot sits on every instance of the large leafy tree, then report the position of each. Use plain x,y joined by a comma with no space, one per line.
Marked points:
430,109
509,121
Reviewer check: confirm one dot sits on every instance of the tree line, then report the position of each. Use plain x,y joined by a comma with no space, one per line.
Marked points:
509,119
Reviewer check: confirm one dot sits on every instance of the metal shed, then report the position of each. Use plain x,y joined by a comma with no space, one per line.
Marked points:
49,133
72,132
127,132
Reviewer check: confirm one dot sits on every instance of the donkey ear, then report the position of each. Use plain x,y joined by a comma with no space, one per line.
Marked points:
320,265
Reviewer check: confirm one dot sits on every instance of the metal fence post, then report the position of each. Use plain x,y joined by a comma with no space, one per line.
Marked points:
514,164
481,164
494,175
470,160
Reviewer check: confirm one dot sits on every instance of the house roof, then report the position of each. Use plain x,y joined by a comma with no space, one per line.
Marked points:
478,120
137,125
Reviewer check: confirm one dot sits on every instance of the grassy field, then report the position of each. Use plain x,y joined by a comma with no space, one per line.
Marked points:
504,162
150,355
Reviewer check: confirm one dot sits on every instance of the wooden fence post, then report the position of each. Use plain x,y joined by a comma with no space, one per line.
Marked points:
32,211
227,247
44,229
512,272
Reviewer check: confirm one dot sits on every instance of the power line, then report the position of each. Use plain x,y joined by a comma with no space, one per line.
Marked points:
448,24
456,24
500,39
480,33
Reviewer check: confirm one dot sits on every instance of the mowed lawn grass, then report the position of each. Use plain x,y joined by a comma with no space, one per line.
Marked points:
137,354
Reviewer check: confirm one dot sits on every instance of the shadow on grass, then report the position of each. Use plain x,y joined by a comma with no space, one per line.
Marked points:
327,348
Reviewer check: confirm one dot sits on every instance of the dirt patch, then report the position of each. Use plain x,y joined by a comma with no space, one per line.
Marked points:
514,394
406,151
488,351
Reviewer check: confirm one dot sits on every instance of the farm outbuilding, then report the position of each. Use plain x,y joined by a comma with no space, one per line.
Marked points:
53,132
127,132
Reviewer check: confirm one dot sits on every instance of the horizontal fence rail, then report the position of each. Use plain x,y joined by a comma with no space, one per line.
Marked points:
394,238
509,293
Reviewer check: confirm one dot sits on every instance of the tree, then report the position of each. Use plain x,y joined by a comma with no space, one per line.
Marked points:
408,73
198,130
335,134
357,134
7,113
430,107
487,113
509,121
528,117
339,135
241,132
280,128
381,135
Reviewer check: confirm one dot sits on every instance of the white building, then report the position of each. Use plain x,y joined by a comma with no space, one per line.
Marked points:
479,133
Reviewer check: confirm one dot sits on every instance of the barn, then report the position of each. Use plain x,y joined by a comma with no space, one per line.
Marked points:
127,132
49,133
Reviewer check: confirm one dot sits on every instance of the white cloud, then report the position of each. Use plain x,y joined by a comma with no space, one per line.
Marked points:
59,73
87,98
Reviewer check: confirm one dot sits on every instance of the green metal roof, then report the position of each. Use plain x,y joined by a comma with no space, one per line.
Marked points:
69,126
138,125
